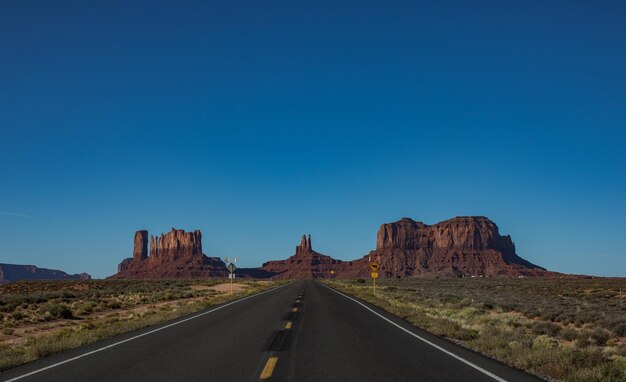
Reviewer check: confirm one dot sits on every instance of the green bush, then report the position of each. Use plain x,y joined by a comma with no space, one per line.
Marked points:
620,330
600,336
548,328
569,334
85,309
56,311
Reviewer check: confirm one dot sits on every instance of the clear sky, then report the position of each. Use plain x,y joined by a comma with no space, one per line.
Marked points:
259,121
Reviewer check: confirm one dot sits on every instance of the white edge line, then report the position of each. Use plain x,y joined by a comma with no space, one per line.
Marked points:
488,373
137,336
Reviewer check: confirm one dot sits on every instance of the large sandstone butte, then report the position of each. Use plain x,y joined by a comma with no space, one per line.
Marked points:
176,254
14,272
463,246
304,264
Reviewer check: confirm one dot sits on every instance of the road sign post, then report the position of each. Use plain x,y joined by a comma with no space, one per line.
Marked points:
374,266
231,268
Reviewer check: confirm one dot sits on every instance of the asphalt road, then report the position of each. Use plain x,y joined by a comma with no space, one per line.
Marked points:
303,331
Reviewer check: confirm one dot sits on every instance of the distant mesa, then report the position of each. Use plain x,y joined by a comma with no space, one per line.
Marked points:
14,272
467,246
176,254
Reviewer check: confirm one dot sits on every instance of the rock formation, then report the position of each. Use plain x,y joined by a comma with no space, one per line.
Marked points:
140,251
463,246
304,264
176,254
14,272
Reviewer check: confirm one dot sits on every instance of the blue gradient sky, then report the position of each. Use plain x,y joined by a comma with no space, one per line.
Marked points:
259,121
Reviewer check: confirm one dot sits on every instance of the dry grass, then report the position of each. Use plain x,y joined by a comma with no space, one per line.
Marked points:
568,329
39,318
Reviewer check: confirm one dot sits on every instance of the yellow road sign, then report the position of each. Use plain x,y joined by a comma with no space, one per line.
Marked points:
374,266
374,275
332,272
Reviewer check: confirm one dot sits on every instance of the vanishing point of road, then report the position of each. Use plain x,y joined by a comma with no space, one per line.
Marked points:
302,331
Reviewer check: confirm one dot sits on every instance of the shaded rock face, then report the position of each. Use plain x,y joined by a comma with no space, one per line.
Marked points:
14,272
463,246
140,251
304,264
176,254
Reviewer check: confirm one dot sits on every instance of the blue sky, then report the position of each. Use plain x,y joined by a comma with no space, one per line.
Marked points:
256,122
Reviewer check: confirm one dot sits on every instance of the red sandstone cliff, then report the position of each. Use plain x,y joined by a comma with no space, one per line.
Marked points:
176,254
463,246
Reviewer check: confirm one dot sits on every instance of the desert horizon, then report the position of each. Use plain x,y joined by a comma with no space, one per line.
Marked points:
312,191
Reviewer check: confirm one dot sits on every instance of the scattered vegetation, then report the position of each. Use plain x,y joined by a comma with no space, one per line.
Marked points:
568,329
39,318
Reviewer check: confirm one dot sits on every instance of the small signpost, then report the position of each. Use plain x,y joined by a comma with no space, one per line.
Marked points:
374,267
231,268
332,273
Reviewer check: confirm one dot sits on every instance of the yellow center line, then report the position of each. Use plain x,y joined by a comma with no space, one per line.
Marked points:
269,368
288,325
294,309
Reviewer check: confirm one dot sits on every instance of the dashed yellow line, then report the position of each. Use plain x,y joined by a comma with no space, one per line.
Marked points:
298,300
294,309
269,368
288,325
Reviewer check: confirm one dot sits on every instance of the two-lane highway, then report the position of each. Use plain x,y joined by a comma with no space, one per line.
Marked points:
303,331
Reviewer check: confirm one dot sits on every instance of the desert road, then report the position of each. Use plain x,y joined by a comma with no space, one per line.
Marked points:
302,331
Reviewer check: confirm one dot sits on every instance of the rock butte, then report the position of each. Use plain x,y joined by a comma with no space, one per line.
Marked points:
304,264
176,254
463,246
